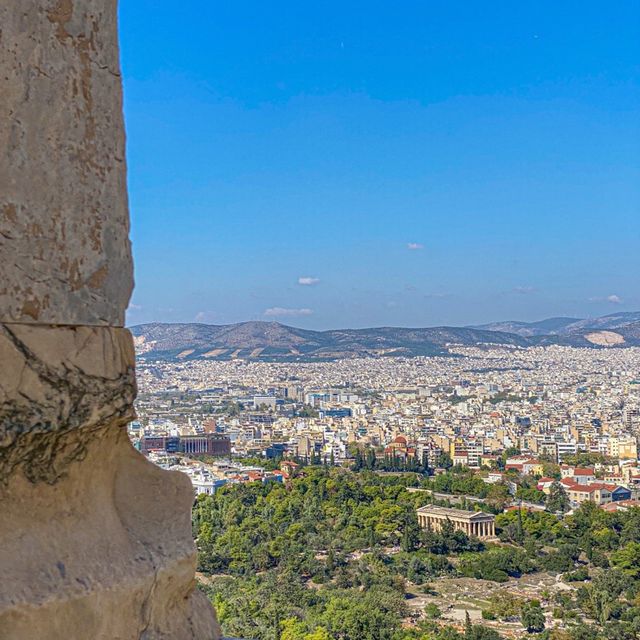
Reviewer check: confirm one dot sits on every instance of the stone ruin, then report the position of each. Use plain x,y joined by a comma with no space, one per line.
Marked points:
95,541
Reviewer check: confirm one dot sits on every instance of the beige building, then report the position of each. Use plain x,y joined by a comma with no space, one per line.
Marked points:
623,448
473,523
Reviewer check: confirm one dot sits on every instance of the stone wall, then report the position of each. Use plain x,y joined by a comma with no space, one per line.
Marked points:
96,541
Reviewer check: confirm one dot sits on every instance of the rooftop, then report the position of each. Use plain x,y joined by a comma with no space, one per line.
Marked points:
459,514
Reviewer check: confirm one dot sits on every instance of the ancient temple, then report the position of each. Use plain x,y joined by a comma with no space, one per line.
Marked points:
473,523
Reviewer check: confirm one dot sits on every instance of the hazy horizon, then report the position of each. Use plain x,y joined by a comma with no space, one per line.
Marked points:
295,325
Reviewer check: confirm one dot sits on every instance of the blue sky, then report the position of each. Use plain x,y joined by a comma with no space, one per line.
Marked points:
352,164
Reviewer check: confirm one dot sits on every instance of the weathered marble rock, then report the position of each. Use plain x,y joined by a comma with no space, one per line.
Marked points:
95,541
64,245
58,387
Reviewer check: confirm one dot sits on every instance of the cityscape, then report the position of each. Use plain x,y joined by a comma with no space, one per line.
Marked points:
473,438
550,401
376,372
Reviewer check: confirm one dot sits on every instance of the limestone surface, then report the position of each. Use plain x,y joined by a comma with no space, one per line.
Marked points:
64,225
95,541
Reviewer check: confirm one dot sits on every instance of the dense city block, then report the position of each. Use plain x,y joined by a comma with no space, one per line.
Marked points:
493,492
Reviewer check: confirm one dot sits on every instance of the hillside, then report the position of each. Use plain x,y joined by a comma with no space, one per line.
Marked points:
271,340
275,341
564,326
550,326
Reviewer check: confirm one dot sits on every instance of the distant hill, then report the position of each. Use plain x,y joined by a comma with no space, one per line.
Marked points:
607,334
274,341
563,326
528,329
611,321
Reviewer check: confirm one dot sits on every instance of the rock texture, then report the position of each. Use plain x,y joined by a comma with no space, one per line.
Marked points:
59,386
96,541
63,201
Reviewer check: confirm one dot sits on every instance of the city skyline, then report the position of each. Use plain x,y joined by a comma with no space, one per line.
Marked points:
404,166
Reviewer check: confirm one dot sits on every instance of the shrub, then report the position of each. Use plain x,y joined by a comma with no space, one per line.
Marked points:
579,575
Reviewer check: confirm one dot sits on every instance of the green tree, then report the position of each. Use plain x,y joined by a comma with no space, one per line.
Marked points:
319,633
498,496
557,500
627,559
600,598
292,629
532,617
444,461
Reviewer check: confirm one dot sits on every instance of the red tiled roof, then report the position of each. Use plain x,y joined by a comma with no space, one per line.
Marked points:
595,486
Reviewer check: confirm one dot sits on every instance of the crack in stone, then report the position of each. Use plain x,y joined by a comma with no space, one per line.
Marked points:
43,437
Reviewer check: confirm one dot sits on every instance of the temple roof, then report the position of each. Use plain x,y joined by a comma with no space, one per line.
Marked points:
458,514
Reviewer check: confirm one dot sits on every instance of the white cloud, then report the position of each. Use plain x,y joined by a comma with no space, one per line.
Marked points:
415,246
200,316
134,307
613,299
524,290
274,312
308,281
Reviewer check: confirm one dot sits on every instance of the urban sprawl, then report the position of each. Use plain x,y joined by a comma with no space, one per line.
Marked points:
563,416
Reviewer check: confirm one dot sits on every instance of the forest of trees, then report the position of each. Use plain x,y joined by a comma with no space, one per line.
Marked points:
330,555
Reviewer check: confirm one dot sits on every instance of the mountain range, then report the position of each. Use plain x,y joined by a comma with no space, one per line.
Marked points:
272,341
565,326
